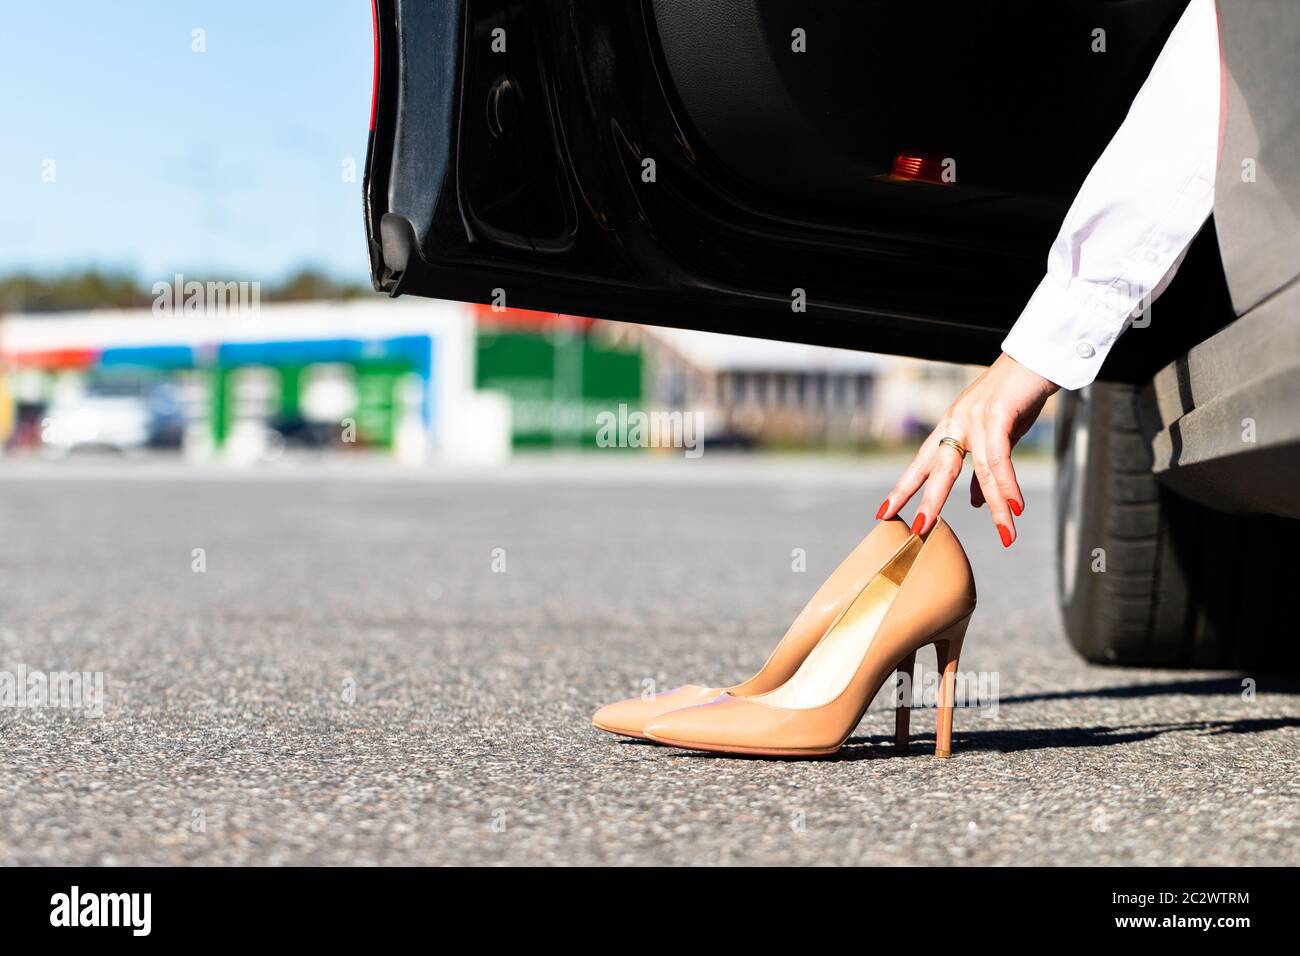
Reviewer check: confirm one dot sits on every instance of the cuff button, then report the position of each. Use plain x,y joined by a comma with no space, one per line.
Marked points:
1085,350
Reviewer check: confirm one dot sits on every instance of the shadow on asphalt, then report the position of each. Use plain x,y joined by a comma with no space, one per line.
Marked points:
1014,741
1203,686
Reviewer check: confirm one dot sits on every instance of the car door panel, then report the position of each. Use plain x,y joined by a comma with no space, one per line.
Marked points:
1257,190
681,163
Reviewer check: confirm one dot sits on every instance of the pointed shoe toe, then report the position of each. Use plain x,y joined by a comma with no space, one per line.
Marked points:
628,718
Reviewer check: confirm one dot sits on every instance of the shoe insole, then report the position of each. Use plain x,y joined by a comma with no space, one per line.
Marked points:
828,669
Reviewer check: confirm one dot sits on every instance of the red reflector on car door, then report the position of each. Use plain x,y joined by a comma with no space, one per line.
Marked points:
374,83
924,168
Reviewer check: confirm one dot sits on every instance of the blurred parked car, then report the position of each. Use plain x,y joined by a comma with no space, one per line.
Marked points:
300,432
114,414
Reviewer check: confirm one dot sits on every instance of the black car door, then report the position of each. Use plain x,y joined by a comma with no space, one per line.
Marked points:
875,175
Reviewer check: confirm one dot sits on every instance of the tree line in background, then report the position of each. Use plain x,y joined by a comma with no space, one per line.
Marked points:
96,289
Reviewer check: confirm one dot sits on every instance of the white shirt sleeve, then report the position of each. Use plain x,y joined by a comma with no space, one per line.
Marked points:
1135,215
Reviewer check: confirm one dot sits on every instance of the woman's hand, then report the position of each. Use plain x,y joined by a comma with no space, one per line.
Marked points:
989,417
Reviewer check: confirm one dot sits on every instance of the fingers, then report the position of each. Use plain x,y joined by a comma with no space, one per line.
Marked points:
945,466
912,478
993,497
988,417
997,449
994,468
937,467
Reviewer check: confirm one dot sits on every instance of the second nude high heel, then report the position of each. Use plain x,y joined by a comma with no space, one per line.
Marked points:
923,595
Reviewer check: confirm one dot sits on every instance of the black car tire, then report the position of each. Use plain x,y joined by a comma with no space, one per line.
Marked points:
1183,585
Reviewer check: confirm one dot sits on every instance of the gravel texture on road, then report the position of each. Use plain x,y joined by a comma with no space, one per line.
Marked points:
379,667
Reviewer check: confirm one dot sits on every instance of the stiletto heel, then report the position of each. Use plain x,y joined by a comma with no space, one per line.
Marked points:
903,692
947,651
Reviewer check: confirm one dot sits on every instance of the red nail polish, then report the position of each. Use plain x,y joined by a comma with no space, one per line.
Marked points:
1005,534
1015,506
919,523
883,508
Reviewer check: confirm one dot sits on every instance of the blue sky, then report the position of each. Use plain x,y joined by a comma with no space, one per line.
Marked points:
227,162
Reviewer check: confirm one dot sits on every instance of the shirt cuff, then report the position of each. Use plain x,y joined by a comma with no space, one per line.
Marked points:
1064,334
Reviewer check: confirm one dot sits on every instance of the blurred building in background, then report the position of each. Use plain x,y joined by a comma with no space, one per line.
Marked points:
422,380
756,392
782,394
391,376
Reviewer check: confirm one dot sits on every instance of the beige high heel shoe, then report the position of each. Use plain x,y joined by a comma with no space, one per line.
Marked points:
629,717
924,594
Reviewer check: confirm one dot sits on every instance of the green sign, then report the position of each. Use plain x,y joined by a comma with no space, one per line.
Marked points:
558,382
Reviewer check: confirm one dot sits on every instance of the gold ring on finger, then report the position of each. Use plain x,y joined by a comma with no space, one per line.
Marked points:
955,445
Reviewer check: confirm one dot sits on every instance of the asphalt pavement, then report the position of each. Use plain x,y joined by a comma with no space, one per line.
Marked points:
369,665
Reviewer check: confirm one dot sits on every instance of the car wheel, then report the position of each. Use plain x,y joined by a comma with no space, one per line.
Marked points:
1148,578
